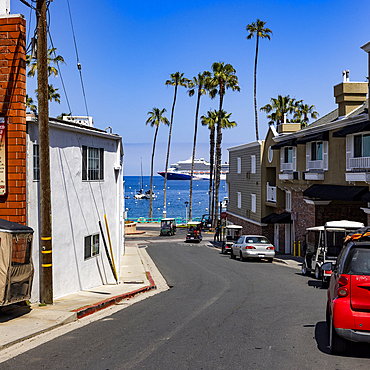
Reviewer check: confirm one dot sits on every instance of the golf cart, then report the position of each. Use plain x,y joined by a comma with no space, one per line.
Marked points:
194,233
231,234
324,244
206,222
168,226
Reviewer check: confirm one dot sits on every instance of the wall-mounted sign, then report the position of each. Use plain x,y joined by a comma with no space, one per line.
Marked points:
3,152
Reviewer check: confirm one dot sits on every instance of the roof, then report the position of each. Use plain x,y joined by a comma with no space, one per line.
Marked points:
345,224
336,192
233,227
352,129
277,218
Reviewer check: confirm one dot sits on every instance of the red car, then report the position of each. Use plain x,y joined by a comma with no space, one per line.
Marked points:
348,306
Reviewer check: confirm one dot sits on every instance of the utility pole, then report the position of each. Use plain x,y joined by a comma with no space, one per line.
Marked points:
46,295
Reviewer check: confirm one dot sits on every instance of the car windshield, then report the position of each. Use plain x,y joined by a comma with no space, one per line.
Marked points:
165,224
257,240
358,262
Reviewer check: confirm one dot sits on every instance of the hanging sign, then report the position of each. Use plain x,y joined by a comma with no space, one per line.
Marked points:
3,150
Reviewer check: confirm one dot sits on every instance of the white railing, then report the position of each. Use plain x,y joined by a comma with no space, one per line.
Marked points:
271,193
315,165
287,166
360,162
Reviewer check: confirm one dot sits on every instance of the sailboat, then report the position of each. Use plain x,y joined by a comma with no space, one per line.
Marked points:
140,194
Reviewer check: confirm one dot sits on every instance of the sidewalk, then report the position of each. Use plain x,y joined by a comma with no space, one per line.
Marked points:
18,323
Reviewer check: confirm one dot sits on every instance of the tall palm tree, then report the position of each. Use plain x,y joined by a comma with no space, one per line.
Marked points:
155,118
52,93
177,79
260,32
279,107
210,120
224,77
52,60
307,110
201,84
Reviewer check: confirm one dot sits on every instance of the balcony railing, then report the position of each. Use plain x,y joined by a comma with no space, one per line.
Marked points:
360,162
271,193
286,166
315,165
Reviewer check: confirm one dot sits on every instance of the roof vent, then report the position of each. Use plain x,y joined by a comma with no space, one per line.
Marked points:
346,75
81,120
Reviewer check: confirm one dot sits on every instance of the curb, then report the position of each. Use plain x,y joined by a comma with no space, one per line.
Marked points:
88,310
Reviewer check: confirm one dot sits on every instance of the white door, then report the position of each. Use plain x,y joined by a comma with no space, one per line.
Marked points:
288,239
276,236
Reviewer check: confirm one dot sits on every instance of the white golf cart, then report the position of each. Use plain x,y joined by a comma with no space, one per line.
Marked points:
231,234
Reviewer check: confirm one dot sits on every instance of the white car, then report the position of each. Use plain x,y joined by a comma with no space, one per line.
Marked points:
253,246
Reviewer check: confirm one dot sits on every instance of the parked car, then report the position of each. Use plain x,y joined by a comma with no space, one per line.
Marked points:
324,244
253,246
348,304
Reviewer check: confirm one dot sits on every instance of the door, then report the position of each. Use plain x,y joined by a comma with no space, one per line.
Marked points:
288,239
276,236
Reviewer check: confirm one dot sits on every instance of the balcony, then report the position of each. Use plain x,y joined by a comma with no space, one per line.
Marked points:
271,193
315,165
359,163
286,167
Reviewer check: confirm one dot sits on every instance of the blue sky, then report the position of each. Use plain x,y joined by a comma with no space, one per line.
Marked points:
128,49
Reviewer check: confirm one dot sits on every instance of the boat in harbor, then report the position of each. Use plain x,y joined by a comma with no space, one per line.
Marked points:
182,170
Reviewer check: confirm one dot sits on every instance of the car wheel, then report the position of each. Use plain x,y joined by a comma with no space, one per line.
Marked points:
242,259
304,269
327,316
223,250
337,344
269,260
317,273
232,255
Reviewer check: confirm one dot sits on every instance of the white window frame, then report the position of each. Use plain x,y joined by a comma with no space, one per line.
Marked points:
94,242
239,165
253,164
253,203
288,200
92,163
36,162
317,164
289,166
239,197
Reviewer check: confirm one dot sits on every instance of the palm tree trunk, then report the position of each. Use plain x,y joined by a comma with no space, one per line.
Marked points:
255,89
151,176
211,168
218,155
192,160
168,154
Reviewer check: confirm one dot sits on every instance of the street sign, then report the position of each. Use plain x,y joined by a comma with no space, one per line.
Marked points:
223,215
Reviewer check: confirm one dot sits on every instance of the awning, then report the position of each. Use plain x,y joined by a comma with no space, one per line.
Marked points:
277,218
336,192
320,136
288,142
366,197
352,129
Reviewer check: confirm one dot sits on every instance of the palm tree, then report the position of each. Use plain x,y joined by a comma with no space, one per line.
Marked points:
307,110
210,121
279,107
200,83
258,29
52,92
32,63
155,118
177,79
224,77
30,105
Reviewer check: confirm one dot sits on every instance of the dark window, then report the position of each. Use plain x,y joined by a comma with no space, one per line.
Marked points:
358,145
358,262
91,246
316,151
36,162
288,155
92,163
361,145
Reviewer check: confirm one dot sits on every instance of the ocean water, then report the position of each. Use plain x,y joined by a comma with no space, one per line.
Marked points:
177,195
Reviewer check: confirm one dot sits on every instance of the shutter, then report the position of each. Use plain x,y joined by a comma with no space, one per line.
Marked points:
101,164
253,163
84,162
294,158
308,154
281,159
349,148
326,155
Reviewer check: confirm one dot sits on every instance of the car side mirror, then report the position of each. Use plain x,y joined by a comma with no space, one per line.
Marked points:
327,266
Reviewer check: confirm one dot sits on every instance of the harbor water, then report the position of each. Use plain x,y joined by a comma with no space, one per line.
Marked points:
177,195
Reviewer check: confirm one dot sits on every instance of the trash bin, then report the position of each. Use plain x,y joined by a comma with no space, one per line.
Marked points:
16,268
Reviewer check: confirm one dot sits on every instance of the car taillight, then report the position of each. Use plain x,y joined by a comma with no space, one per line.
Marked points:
342,290
343,280
249,247
270,248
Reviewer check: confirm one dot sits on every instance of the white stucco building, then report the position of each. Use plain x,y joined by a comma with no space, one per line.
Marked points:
86,184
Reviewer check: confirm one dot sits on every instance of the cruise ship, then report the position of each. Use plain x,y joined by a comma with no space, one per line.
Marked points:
182,170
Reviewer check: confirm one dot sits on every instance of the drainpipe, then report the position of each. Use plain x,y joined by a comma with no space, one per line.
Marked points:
366,48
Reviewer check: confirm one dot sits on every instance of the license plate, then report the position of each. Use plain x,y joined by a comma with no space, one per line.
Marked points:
261,255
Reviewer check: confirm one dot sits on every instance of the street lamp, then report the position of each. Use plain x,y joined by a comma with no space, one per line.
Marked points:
186,212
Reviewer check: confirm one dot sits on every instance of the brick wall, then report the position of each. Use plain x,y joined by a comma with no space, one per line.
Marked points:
305,215
12,105
332,212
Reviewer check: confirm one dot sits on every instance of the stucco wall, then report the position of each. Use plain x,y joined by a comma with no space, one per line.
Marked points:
77,207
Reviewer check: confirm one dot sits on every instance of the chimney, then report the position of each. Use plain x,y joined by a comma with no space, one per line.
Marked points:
349,95
366,48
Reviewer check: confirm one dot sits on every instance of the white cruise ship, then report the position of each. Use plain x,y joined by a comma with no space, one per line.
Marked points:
182,170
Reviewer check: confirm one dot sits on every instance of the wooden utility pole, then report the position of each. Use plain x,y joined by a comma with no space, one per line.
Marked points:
46,295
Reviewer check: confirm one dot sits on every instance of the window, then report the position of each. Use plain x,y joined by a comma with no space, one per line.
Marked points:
316,151
92,163
91,246
239,199
36,162
288,200
239,169
253,164
288,154
361,145
270,155
253,203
